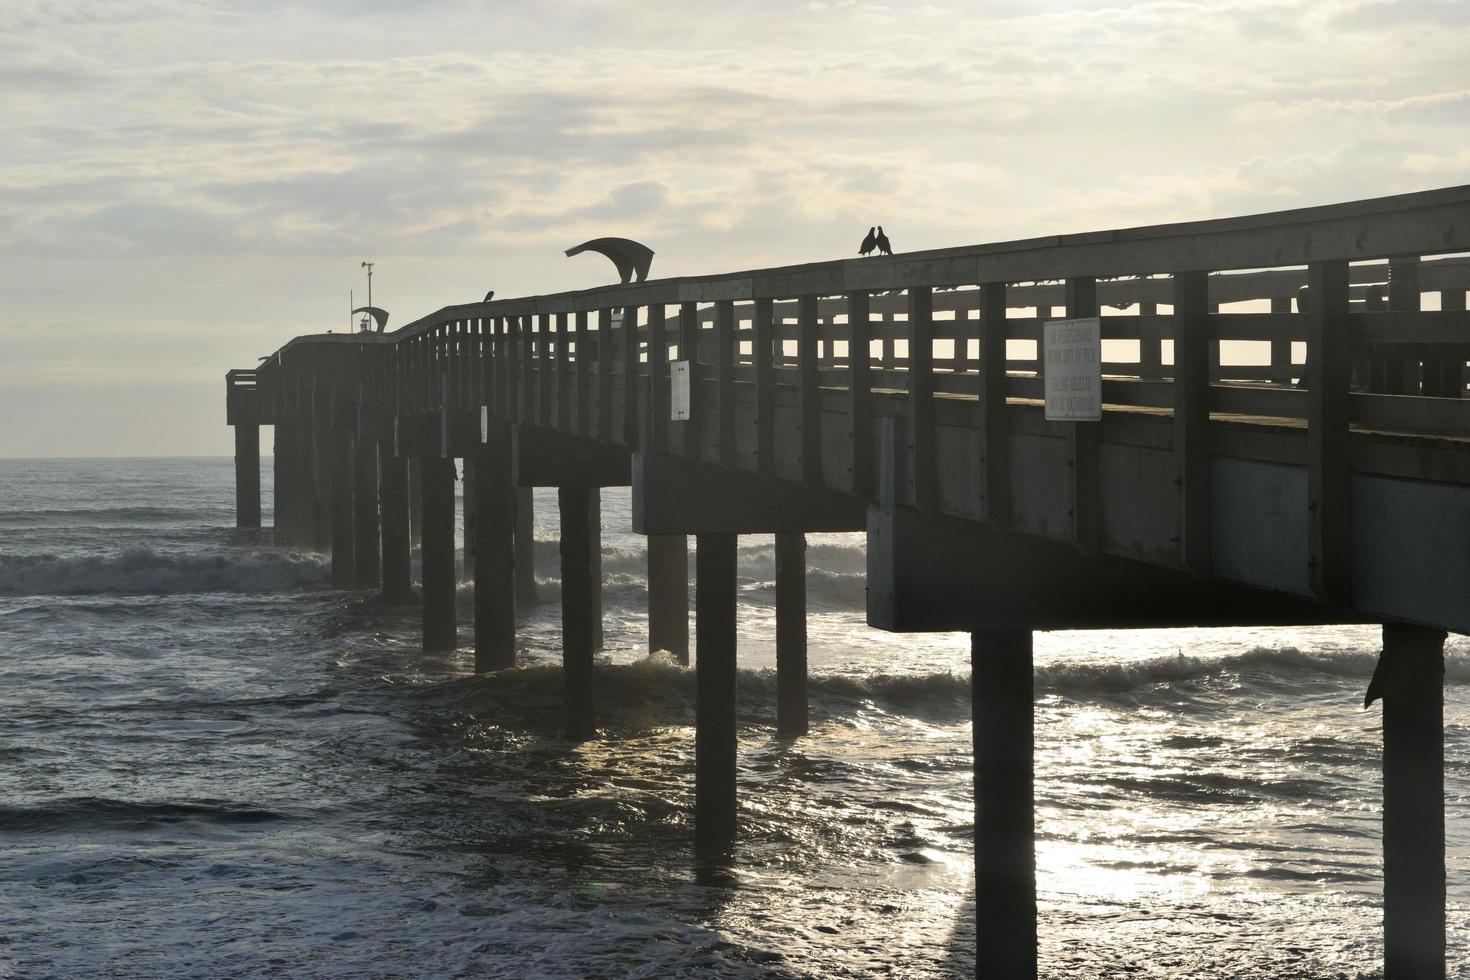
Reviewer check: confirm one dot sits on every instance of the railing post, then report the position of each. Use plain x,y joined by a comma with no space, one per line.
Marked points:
1454,378
582,370
763,352
605,355
1280,346
658,380
921,395
809,392
1192,417
725,379
995,487
1081,295
1401,368
860,389
564,393
630,376
689,351
1328,485
1150,349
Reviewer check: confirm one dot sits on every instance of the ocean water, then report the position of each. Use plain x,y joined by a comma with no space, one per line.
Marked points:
213,765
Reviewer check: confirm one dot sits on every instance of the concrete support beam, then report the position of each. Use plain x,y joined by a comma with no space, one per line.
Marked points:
437,482
366,544
415,502
547,458
393,504
577,613
525,543
494,509
247,474
930,573
1005,828
668,595
714,741
791,698
1410,680
673,495
339,481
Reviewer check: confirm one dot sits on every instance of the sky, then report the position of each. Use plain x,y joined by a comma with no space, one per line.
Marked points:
186,184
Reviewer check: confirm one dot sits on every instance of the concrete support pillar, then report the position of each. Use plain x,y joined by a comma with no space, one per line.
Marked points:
668,595
494,508
282,472
1005,830
715,679
344,559
415,502
525,548
321,501
577,608
1410,680
393,504
247,475
367,549
437,495
791,699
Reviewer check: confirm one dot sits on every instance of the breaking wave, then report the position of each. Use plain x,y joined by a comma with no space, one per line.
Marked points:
143,570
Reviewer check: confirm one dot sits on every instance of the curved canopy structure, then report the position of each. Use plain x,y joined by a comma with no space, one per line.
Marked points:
379,315
629,256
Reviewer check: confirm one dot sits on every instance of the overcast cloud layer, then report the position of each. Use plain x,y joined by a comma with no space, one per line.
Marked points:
186,184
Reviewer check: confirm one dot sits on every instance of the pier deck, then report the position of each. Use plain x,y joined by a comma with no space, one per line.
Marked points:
1328,481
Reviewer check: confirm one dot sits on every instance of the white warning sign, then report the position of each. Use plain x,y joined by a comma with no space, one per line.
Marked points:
1072,357
679,391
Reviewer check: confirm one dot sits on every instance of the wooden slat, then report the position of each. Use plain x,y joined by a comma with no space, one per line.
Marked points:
1328,412
1411,414
859,381
1192,418
806,363
921,396
1262,402
1081,293
995,490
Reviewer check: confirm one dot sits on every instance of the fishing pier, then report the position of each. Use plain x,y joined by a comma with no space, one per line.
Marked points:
1284,439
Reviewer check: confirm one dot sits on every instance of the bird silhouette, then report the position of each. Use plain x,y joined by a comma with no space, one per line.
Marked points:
869,243
883,246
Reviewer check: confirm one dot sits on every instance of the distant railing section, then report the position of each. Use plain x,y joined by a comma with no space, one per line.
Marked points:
931,322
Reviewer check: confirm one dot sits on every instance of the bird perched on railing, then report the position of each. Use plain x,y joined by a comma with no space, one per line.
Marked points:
883,246
869,243
629,256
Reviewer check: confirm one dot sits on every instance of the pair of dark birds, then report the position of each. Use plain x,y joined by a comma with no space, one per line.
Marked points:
876,239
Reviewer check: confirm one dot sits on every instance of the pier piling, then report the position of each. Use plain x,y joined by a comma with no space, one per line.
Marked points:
791,698
668,595
525,547
578,588
366,546
393,503
437,491
247,475
1410,679
1005,831
715,679
340,481
494,507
